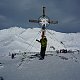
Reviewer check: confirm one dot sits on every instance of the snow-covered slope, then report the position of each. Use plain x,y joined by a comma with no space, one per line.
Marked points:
18,39
59,66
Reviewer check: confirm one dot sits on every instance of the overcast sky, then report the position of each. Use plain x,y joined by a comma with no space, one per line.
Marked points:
18,13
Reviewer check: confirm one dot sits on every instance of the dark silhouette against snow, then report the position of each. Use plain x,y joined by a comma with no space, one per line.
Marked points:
43,42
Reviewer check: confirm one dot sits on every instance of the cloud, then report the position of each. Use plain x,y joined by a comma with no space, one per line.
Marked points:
2,18
18,12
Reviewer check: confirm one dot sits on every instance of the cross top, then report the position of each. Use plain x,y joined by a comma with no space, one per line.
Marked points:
44,21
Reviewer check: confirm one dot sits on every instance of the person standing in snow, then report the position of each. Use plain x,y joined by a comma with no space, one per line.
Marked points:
12,56
43,42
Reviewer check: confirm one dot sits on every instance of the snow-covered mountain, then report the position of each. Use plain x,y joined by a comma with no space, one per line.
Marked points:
55,66
18,39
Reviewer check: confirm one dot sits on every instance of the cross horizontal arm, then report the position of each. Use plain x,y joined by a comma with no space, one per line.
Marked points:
53,22
34,21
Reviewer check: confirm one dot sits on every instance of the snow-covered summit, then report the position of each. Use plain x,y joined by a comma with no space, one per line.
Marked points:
17,39
55,66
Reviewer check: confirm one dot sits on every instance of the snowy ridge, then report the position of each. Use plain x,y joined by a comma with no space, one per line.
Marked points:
18,39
